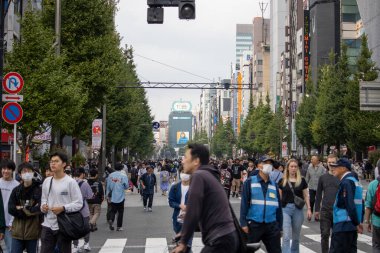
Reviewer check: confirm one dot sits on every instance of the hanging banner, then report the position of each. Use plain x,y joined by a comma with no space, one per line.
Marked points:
96,134
284,149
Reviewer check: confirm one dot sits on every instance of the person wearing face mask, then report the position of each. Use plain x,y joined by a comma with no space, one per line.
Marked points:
328,186
178,201
260,210
24,206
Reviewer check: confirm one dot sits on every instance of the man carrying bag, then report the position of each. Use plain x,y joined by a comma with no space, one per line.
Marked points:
60,195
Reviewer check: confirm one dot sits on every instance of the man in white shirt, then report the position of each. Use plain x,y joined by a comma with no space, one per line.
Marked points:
7,184
64,196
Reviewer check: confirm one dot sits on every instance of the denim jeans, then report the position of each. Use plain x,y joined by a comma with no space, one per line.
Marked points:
292,224
8,240
18,246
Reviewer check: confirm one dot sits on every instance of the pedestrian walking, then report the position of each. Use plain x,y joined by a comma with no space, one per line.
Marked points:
87,193
60,193
95,203
226,178
237,169
328,186
148,183
207,206
7,184
24,205
141,172
314,172
348,208
134,176
117,183
294,195
368,168
372,213
260,209
276,174
164,181
178,201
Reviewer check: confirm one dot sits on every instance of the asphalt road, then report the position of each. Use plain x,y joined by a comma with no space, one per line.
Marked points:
152,232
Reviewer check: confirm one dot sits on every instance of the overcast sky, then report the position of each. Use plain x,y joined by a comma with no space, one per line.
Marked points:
204,46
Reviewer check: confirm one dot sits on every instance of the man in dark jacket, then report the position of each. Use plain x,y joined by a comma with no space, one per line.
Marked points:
207,205
94,204
24,205
148,183
347,209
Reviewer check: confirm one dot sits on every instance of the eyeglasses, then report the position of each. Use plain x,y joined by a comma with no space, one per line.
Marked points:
54,161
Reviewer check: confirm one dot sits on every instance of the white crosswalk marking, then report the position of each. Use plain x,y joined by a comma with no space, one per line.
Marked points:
303,226
113,246
197,245
156,245
363,238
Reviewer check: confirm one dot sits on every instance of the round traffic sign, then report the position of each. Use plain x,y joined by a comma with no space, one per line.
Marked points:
156,125
13,82
12,112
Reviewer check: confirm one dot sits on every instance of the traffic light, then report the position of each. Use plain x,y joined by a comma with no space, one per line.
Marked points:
155,15
226,84
186,9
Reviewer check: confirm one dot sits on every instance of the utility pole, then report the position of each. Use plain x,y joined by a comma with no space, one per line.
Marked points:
58,6
263,7
104,126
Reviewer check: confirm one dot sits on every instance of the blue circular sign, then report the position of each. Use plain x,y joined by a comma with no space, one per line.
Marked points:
156,125
12,113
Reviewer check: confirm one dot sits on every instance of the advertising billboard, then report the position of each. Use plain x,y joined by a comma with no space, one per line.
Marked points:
182,137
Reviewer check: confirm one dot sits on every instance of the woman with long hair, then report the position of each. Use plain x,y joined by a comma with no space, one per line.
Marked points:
293,184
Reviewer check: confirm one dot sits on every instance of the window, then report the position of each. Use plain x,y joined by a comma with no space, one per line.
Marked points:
259,62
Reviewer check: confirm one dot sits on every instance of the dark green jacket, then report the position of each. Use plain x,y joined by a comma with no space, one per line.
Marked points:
27,221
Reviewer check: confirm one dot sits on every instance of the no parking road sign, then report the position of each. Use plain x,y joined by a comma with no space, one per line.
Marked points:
12,113
13,83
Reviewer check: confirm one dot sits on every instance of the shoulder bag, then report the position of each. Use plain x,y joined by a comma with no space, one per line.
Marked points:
71,225
298,202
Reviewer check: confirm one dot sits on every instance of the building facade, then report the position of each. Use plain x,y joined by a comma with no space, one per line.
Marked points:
244,38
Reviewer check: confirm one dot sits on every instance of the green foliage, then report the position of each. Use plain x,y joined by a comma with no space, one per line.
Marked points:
361,126
246,135
78,159
305,116
200,137
262,117
328,126
223,140
276,132
374,156
51,95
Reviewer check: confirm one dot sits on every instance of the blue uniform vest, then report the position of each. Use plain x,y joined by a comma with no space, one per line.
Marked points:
262,209
341,215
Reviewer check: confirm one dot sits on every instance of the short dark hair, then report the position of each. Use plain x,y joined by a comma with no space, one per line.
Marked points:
199,151
61,156
93,173
79,171
119,166
7,163
25,165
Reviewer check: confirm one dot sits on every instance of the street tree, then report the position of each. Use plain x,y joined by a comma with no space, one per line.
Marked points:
276,131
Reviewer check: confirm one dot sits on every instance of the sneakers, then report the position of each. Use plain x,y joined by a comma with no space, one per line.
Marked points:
119,229
233,195
111,225
87,247
145,208
150,209
77,249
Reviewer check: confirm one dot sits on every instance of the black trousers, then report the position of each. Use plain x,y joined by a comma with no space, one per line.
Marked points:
146,197
119,209
50,238
268,233
326,224
312,194
226,244
344,242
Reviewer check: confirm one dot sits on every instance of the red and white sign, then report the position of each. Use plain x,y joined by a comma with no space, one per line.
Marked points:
96,134
12,98
13,83
12,113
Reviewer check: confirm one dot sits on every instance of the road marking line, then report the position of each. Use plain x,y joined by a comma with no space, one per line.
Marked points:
156,245
113,246
365,238
197,245
303,226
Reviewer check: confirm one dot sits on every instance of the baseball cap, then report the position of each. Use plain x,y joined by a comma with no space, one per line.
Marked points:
342,162
265,158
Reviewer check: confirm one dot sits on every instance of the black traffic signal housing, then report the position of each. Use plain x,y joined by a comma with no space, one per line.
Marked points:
186,9
155,15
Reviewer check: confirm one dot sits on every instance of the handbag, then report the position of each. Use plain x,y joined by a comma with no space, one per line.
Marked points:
298,202
71,225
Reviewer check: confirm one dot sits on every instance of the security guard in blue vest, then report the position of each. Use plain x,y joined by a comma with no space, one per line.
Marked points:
260,211
348,209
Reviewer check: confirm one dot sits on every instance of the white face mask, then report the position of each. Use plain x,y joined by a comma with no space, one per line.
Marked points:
185,177
267,168
27,176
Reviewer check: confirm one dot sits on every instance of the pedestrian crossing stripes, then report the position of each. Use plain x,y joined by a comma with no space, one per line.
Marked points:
163,245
